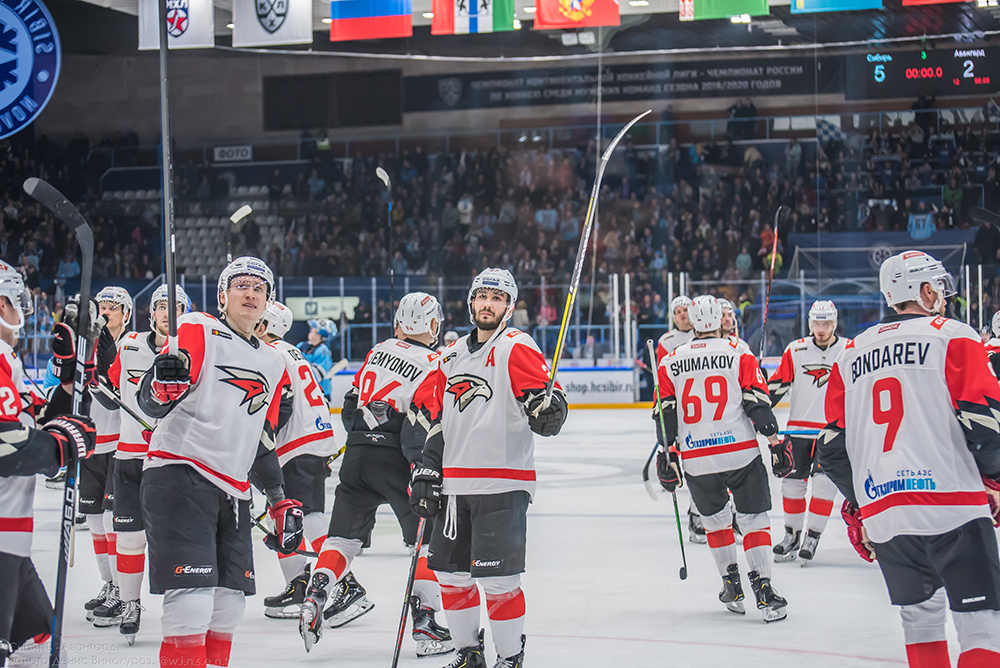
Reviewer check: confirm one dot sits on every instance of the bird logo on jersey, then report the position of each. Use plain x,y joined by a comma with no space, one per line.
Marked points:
135,375
252,383
820,373
466,387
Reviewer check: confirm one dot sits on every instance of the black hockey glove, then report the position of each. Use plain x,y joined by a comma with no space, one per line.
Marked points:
668,470
64,352
171,376
75,435
546,420
782,458
425,491
107,351
287,516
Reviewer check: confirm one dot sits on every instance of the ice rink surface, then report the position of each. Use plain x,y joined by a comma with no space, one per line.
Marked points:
601,585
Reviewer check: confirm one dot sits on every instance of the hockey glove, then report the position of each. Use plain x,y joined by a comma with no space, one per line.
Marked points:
668,470
95,323
171,376
782,457
425,491
63,352
993,494
107,350
546,419
857,533
75,435
287,516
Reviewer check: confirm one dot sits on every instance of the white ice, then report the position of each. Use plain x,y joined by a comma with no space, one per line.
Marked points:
602,583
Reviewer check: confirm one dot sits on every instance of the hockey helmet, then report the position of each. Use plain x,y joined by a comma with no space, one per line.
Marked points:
278,319
995,325
450,337
705,313
494,279
901,276
822,310
325,327
12,287
416,312
160,295
116,295
246,266
728,308
679,300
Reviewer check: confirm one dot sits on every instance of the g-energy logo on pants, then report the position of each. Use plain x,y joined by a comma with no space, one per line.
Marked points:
191,569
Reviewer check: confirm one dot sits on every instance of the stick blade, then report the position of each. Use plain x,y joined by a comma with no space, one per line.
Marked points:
622,133
240,214
984,215
54,201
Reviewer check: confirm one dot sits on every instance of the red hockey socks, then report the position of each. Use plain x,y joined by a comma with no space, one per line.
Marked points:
930,655
183,652
461,609
978,658
217,648
506,613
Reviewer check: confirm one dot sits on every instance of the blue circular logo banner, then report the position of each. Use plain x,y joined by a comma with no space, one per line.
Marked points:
29,62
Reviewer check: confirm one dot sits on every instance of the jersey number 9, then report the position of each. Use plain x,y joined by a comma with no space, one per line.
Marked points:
887,408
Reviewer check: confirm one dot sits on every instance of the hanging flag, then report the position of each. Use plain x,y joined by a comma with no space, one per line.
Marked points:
370,19
697,10
460,17
267,22
190,24
570,14
815,6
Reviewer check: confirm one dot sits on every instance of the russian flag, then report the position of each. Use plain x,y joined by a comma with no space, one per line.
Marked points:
370,19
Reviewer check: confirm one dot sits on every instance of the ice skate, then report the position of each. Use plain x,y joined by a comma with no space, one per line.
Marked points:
130,620
109,613
287,604
431,637
771,606
732,590
349,602
786,549
697,529
81,522
310,614
516,661
98,600
58,481
809,546
470,657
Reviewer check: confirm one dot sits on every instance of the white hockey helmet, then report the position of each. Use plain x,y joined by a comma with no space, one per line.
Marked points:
416,312
901,276
278,318
450,337
995,325
822,310
246,266
116,295
160,295
705,313
728,307
679,300
495,279
12,287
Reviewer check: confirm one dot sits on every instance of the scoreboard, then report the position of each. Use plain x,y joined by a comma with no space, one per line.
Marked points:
958,71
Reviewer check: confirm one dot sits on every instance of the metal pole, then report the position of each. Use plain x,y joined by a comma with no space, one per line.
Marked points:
343,323
204,293
440,293
545,310
615,316
670,298
374,310
628,317
311,289
968,297
167,172
802,301
980,269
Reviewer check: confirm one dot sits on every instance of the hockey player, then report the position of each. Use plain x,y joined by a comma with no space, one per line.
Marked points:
303,445
317,352
713,398
478,462
25,610
993,345
385,435
805,369
136,352
97,476
219,397
912,439
449,338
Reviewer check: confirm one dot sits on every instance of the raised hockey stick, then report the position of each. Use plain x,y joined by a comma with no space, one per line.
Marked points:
56,202
409,591
237,216
581,256
984,215
383,176
770,278
663,429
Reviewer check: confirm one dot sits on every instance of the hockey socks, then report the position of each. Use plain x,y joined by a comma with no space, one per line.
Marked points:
929,655
217,648
425,583
757,541
793,500
131,562
974,658
460,598
821,504
183,651
721,541
505,608
96,525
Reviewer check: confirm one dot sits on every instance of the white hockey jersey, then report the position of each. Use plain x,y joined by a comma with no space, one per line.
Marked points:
236,385
706,382
308,430
135,357
671,341
108,424
805,371
488,447
904,392
17,493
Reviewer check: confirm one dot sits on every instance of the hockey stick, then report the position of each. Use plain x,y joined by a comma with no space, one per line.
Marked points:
663,430
383,176
270,534
56,202
237,216
409,591
770,278
107,392
800,432
645,474
984,215
581,256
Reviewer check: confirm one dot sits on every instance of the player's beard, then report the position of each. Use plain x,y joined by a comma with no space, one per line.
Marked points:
488,323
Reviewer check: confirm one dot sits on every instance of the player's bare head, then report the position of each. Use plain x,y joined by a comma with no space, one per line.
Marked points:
679,309
706,316
492,298
15,303
159,314
419,317
823,320
914,282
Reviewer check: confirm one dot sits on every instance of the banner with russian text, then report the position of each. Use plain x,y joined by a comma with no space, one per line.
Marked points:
907,3
816,6
370,19
190,24
572,14
461,17
268,22
697,10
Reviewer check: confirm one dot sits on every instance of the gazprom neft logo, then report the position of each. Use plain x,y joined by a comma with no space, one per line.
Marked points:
716,438
907,481
29,63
